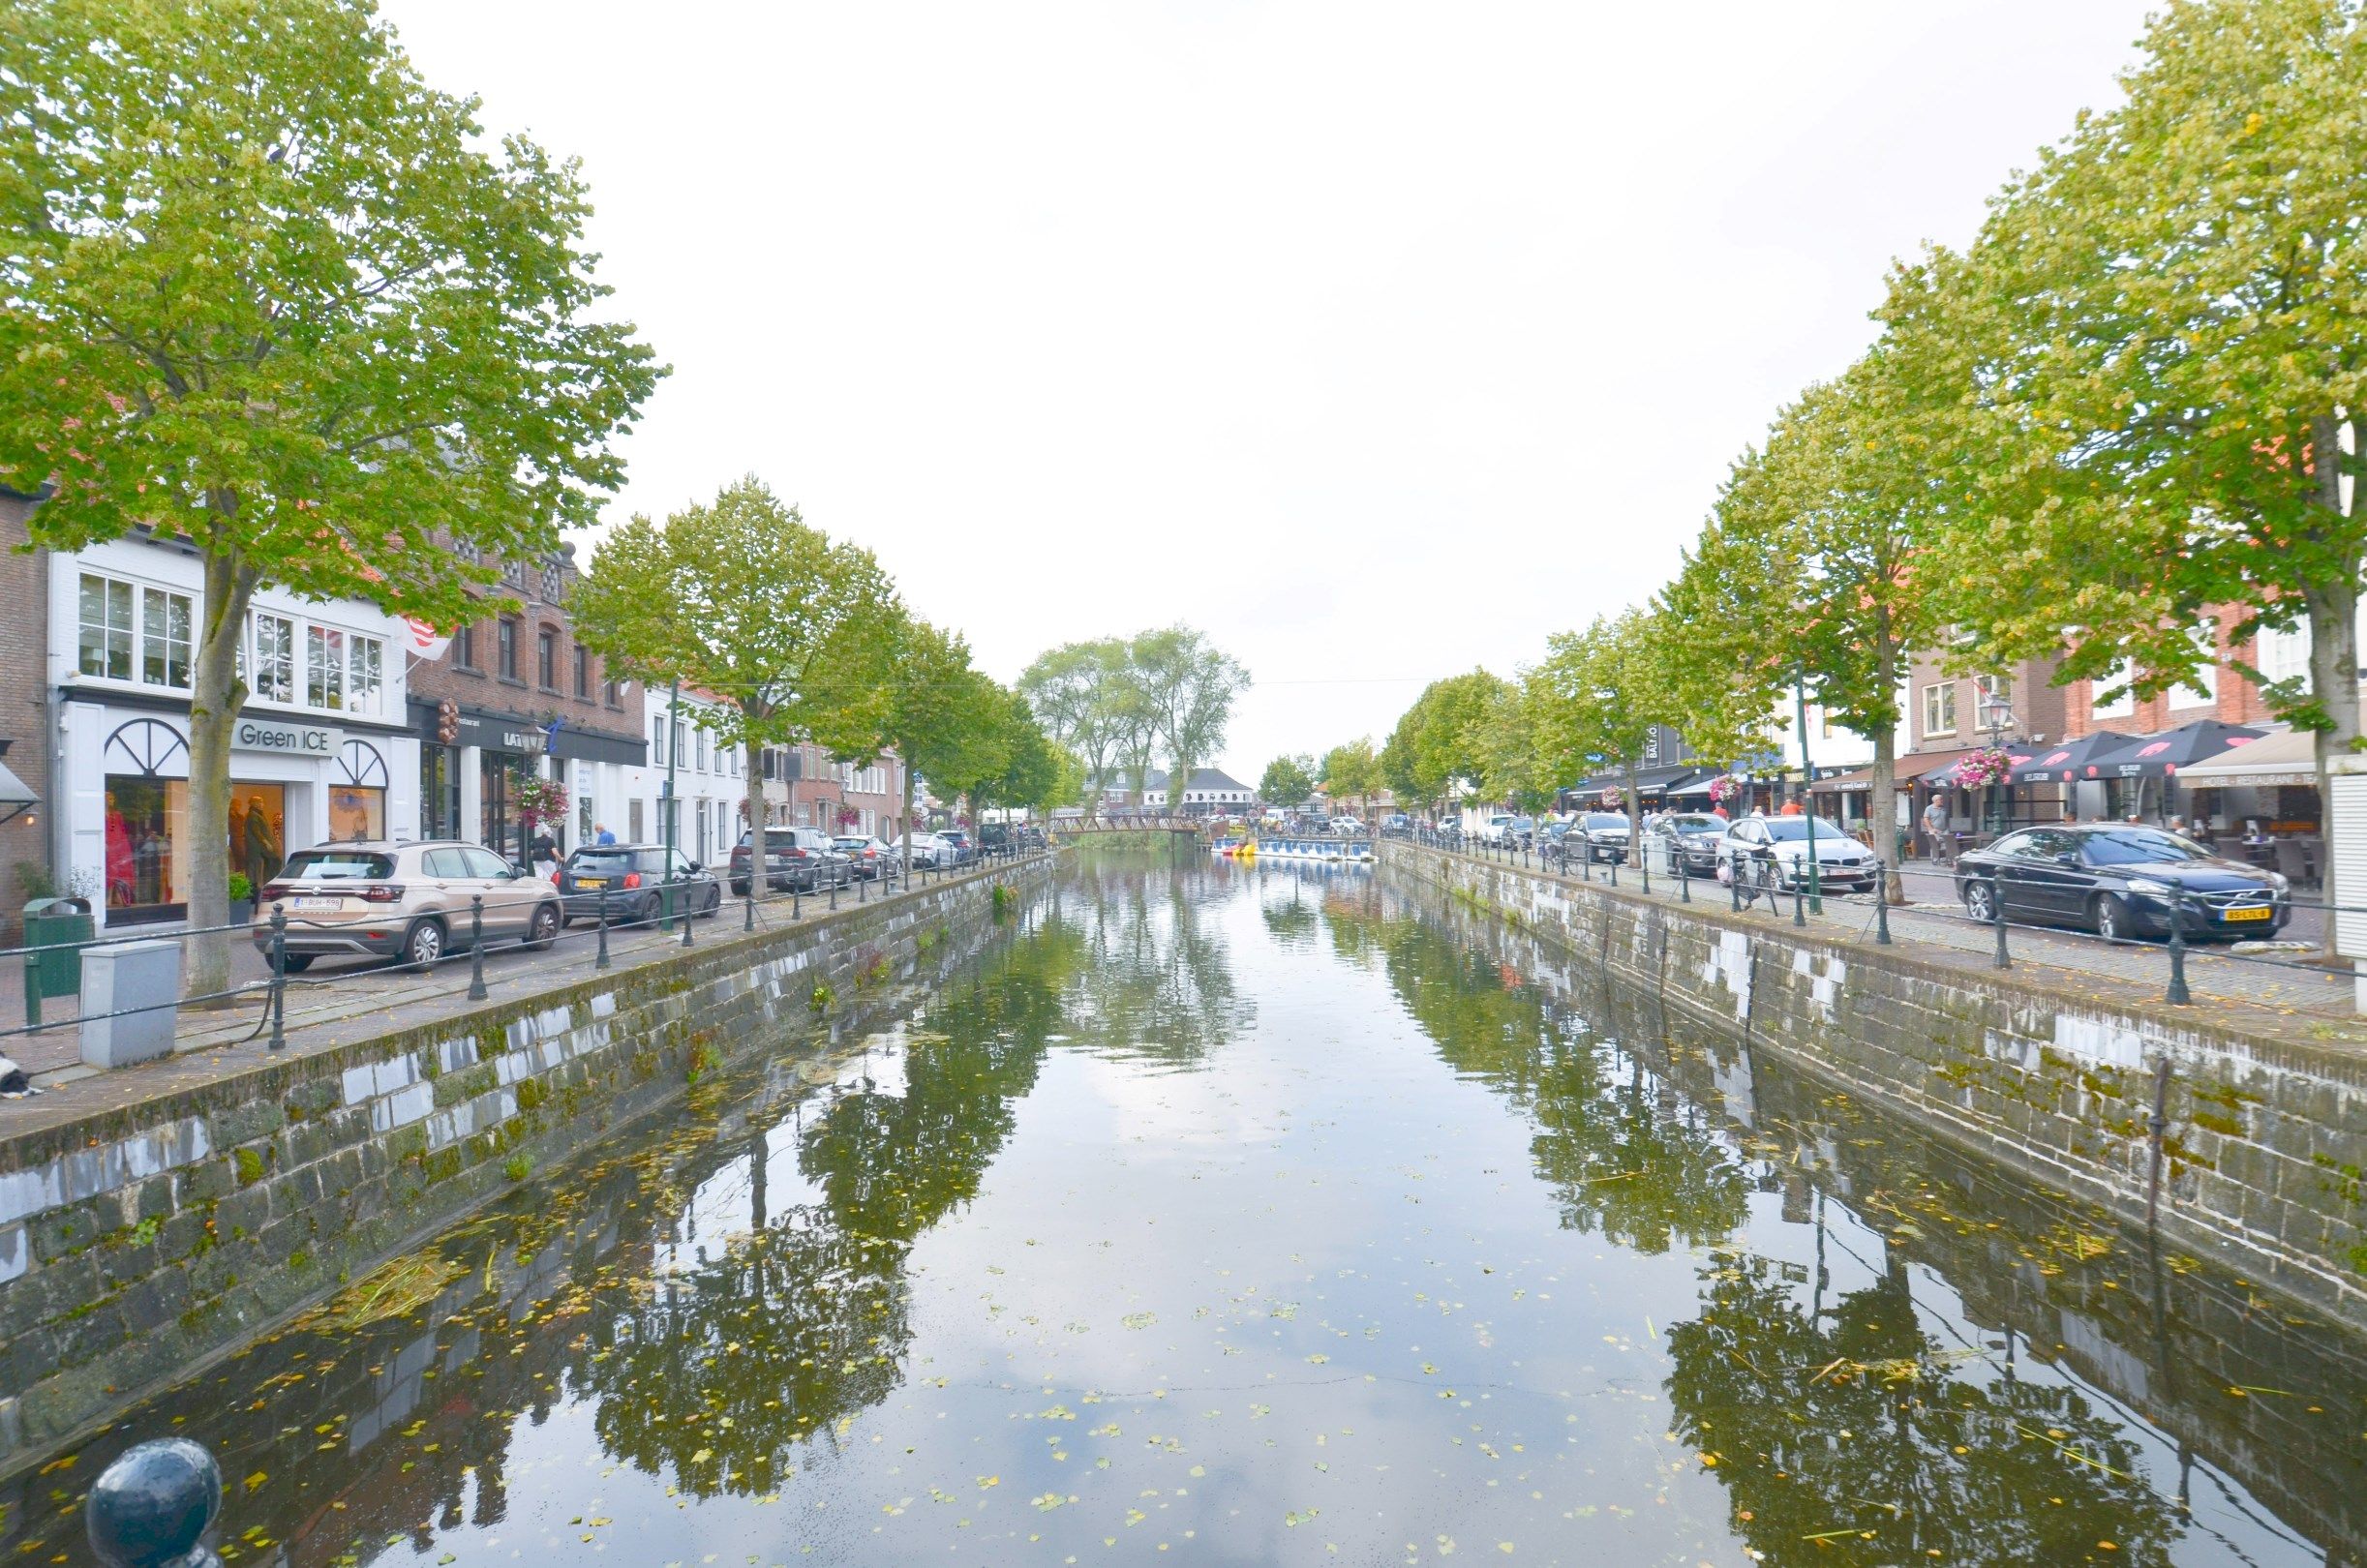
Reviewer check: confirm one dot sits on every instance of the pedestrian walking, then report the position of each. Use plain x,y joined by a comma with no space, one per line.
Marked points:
600,833
1935,827
543,856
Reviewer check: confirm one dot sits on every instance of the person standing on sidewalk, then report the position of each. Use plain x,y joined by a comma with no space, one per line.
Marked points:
1935,826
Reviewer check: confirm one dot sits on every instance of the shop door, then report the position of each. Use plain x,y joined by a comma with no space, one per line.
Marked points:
499,829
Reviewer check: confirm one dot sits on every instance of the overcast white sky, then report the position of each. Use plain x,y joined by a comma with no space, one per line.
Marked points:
1379,342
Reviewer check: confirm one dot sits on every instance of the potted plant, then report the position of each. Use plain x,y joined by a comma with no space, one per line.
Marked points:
242,898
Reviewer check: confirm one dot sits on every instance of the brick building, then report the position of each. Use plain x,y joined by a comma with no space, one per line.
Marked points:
515,695
1951,715
26,726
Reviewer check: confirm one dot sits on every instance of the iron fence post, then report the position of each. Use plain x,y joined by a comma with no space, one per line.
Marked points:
279,976
689,909
2178,950
1685,880
1615,872
834,892
1800,900
476,947
1734,884
1643,868
1882,905
748,904
32,988
600,960
796,902
1996,909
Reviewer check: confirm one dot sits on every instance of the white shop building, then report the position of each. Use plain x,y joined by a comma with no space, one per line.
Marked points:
320,752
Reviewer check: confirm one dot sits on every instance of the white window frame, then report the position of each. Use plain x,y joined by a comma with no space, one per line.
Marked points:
1939,696
2120,707
110,634
2201,691
272,672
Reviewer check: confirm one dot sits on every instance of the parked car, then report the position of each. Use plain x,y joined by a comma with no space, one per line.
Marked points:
2121,882
410,901
796,859
1686,842
1606,836
924,850
1774,852
1396,823
633,879
954,848
1346,827
1031,836
994,837
1495,830
871,858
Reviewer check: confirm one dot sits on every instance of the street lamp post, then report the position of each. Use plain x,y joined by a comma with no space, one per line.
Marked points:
674,751
1807,805
1996,718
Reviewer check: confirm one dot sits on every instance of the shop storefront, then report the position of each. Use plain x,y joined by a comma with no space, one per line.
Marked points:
472,762
128,825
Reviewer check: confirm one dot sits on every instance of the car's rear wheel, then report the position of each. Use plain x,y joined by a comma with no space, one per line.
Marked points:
2112,919
297,963
714,901
543,930
423,945
1981,901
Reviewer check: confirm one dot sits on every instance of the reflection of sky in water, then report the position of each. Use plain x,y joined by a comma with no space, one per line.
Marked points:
1229,1217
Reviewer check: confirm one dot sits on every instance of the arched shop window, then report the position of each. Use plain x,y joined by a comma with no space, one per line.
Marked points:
146,820
358,793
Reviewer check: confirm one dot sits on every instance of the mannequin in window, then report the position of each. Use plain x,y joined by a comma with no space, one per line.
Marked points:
120,868
263,843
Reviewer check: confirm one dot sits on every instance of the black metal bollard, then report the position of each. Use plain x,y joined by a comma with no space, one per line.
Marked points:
152,1507
748,904
834,892
1615,871
1643,868
1800,899
691,912
1996,904
1882,905
1685,880
279,976
476,947
600,959
32,988
863,889
796,902
1734,884
2177,951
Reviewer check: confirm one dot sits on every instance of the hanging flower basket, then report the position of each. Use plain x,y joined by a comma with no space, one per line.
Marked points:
1613,800
541,800
1984,768
1726,787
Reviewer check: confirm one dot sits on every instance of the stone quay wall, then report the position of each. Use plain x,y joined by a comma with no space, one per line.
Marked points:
136,1243
2263,1163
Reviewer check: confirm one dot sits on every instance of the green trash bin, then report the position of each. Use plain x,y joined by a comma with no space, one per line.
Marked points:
49,920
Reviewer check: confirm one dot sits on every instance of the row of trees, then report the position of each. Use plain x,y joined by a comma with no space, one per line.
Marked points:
803,638
1118,704
2138,397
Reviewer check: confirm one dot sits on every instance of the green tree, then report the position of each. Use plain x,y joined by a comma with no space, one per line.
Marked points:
1289,780
934,712
1838,515
1086,697
1188,688
1599,694
739,598
270,293
1445,736
1351,772
2160,344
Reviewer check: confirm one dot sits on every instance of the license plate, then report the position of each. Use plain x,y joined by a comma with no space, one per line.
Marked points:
321,903
592,882
2253,912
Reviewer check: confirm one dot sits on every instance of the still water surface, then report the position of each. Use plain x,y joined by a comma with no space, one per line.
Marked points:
1268,1216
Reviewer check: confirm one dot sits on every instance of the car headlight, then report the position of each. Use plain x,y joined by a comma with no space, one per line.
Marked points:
2146,885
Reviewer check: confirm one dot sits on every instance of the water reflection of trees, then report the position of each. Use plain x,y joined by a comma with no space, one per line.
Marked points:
1152,982
1845,1434
728,1363
1621,1151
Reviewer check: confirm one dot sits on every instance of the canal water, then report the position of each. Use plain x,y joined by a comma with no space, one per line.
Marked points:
1272,1216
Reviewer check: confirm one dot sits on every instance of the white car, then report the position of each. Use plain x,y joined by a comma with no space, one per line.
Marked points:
1497,829
1780,844
1345,825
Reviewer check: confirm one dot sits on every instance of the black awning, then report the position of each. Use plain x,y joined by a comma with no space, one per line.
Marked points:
2159,756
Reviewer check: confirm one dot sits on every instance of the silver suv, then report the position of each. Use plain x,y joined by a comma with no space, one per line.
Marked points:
412,901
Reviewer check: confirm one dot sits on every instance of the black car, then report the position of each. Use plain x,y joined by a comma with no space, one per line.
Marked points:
1606,835
796,859
2121,882
1686,842
632,879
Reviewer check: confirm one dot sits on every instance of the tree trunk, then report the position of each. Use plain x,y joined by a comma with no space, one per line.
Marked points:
216,695
1635,813
752,803
1882,818
2333,609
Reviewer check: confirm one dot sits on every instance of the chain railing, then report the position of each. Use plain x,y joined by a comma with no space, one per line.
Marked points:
270,993
2186,921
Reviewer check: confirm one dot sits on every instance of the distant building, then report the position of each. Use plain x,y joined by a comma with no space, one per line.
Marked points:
1211,789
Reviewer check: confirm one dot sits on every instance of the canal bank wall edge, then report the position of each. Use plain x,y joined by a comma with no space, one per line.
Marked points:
136,1243
2266,1141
